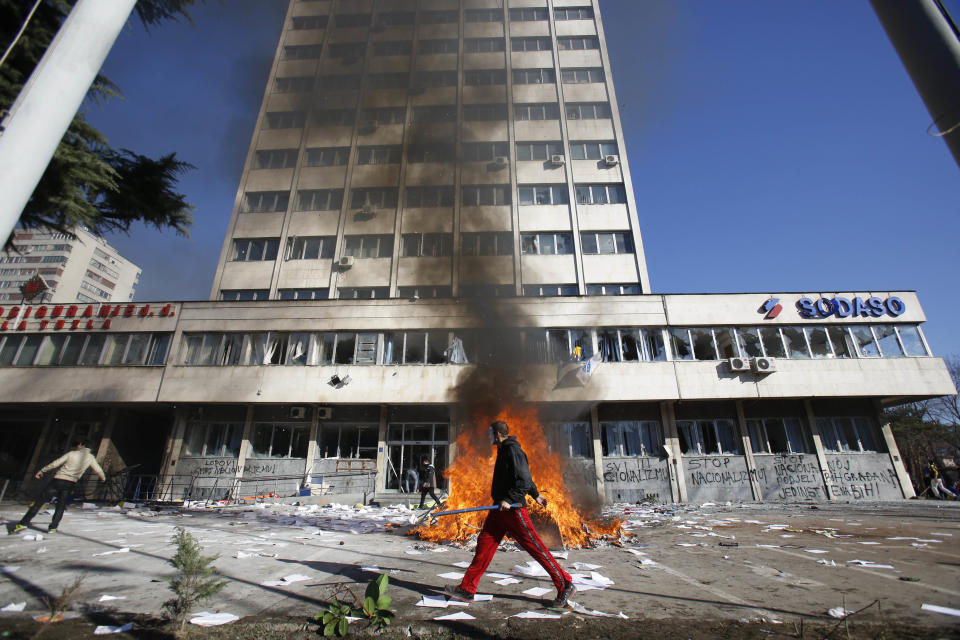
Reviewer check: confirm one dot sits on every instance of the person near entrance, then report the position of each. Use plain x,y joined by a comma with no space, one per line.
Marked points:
932,474
511,485
411,481
428,481
70,468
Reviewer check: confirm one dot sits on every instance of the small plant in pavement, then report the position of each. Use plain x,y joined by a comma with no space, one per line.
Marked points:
196,578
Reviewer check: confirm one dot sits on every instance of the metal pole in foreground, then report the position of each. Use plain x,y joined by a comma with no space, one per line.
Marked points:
928,43
492,507
51,97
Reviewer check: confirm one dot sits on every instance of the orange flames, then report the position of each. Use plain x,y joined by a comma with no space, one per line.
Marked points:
471,471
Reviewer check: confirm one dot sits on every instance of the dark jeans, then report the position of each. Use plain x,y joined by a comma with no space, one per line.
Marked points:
62,489
423,494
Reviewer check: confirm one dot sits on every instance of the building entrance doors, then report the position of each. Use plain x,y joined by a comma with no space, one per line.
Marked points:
407,444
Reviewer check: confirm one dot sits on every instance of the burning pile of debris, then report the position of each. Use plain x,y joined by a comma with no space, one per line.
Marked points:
470,473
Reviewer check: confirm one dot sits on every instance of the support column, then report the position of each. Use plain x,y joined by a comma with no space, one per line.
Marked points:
168,466
906,485
107,438
381,481
671,444
597,455
244,450
747,445
41,441
312,445
818,447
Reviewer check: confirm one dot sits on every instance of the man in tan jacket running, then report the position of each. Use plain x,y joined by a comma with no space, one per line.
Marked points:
70,468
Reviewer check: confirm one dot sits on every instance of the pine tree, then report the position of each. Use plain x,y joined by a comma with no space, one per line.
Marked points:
196,578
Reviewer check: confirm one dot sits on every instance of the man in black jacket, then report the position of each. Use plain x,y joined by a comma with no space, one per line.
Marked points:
428,482
511,485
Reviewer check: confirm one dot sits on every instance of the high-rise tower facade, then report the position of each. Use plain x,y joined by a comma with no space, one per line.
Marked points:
436,149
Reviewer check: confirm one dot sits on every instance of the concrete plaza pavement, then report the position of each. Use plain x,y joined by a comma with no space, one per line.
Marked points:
772,562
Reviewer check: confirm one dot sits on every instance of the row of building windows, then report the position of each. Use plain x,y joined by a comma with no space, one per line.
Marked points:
434,79
434,152
619,438
532,346
408,18
483,242
438,113
84,349
430,245
433,196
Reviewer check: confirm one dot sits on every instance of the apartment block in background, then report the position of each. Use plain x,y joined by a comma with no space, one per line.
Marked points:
83,269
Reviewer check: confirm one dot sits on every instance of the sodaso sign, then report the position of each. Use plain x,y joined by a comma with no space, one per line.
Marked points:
844,308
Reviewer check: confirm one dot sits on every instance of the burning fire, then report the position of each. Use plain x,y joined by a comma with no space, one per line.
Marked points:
471,472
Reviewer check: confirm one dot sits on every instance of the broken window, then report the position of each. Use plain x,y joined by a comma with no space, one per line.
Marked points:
349,440
278,440
847,434
776,435
796,342
865,341
570,439
708,437
631,438
212,439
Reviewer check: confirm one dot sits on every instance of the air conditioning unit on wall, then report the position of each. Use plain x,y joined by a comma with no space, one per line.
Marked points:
345,262
611,161
739,364
764,365
556,160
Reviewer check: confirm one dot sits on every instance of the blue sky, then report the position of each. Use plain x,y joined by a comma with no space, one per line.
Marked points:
774,146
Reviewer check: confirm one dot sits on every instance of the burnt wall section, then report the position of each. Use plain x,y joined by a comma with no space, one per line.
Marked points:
862,477
636,479
717,478
789,477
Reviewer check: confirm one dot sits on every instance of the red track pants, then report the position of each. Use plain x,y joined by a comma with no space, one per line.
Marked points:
517,523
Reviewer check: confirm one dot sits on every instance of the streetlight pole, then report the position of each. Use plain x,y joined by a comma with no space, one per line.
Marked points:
47,103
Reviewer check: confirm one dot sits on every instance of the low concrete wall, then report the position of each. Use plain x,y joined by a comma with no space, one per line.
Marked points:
635,479
863,476
717,478
789,477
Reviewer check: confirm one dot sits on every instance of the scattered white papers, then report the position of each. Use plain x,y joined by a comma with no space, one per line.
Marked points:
8,569
532,569
869,565
686,544
829,563
374,568
482,597
869,543
579,608
282,582
462,565
586,566
506,581
32,537
561,554
839,612
206,619
816,551
110,553
14,606
536,614
437,602
107,598
497,575
459,615
450,575
938,609
769,546
104,629
89,505
937,533
413,552
536,592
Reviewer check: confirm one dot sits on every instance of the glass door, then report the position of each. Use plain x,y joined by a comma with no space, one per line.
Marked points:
407,445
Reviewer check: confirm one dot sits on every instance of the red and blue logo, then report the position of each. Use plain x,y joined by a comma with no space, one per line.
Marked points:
771,308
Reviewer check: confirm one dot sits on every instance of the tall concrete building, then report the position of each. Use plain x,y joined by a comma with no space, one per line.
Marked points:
436,219
82,268
435,150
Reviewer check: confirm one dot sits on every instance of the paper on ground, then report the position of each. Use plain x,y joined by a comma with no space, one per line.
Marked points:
535,614
374,568
18,606
482,597
506,581
206,619
870,565
816,551
938,609
285,580
462,565
839,612
459,615
579,608
532,569
106,598
498,576
438,602
8,569
104,629
586,566
450,575
869,543
536,592
110,553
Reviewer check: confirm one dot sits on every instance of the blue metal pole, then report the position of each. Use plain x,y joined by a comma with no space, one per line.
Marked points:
492,507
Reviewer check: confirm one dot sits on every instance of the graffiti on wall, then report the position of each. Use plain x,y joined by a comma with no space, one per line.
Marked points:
862,477
217,467
634,471
717,470
790,477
